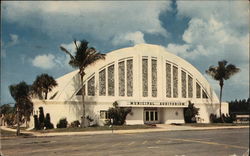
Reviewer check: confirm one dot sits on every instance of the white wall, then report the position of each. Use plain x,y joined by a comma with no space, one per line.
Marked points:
136,117
205,110
172,115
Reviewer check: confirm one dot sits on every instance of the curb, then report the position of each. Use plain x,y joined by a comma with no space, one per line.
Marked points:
159,129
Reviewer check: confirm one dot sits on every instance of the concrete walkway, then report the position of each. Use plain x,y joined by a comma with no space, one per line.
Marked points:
159,128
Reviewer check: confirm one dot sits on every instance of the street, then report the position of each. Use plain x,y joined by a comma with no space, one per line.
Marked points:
173,143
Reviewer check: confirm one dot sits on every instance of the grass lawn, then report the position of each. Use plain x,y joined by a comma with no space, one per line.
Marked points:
98,128
214,124
5,133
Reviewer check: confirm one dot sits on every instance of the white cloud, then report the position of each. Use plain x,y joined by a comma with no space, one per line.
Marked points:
102,20
13,39
44,61
216,31
70,46
134,38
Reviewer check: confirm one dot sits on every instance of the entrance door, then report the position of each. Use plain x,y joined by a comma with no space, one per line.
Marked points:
151,116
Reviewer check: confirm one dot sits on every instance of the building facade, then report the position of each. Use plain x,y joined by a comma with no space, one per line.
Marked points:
156,84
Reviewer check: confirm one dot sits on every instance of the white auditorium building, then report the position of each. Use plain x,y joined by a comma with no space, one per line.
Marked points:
155,83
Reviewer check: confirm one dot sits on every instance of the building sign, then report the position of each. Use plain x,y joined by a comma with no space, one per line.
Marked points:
151,104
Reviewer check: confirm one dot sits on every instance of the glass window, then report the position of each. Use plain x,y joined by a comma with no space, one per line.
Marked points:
198,91
183,84
91,86
147,116
154,78
156,116
151,115
121,73
168,80
190,86
104,114
111,81
175,81
130,77
145,77
102,82
204,95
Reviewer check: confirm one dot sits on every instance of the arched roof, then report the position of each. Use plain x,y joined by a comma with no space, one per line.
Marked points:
68,84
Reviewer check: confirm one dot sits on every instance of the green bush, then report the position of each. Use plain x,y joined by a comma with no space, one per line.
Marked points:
36,122
190,112
226,118
118,115
75,123
41,118
62,123
47,122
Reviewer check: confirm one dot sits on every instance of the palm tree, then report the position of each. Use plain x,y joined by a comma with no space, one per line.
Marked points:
220,73
84,56
24,107
43,84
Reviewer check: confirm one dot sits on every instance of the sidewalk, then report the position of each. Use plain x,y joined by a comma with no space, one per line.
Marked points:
159,128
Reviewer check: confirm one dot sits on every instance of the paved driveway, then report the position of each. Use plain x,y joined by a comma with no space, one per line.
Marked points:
174,143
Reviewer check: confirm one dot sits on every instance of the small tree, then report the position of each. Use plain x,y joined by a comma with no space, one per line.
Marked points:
118,114
84,56
43,84
190,112
7,113
36,123
24,107
220,73
47,122
41,118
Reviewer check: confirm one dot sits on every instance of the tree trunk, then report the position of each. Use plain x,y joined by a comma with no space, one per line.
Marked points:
46,94
18,122
83,124
221,87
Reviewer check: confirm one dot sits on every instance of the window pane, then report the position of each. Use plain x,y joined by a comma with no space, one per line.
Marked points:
190,87
168,80
121,72
147,116
154,78
91,86
204,95
198,91
145,77
156,116
175,82
152,116
130,77
183,84
102,82
111,81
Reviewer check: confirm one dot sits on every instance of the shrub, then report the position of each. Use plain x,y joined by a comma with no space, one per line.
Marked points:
62,123
41,118
10,119
36,122
47,122
118,114
75,123
226,118
190,113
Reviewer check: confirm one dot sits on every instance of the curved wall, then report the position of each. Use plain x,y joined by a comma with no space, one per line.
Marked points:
143,73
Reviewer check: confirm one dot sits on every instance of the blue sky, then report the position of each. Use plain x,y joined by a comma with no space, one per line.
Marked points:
203,33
